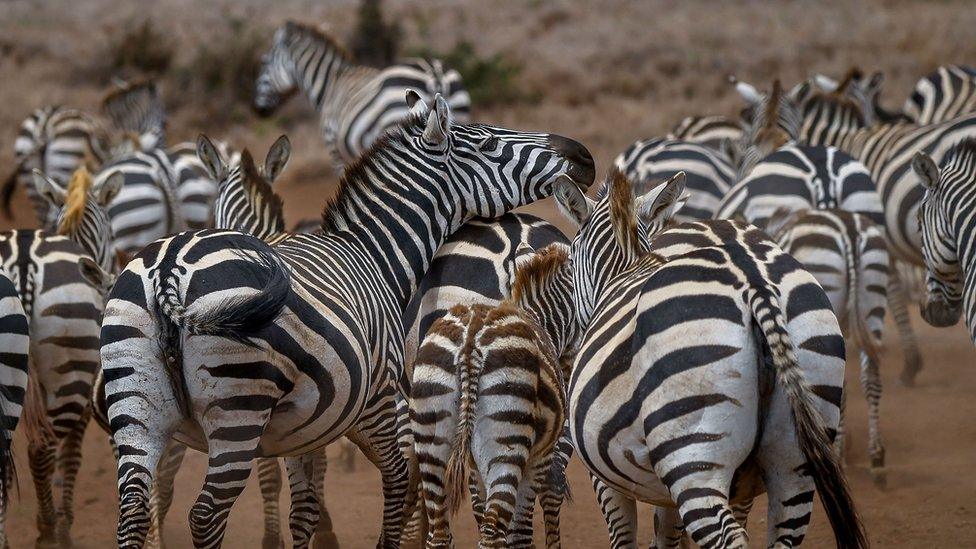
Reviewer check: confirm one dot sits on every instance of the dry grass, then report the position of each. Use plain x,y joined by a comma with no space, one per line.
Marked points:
605,72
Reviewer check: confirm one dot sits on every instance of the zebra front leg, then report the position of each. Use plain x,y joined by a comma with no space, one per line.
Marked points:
324,537
871,384
376,437
620,512
898,304
303,518
161,496
269,481
69,461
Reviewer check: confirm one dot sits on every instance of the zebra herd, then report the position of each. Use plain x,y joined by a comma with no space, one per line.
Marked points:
687,344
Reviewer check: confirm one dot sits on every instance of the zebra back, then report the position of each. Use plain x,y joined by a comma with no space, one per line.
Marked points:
711,131
946,93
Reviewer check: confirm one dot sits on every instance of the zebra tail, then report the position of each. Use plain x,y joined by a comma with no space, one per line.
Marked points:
8,470
236,318
810,427
865,340
468,379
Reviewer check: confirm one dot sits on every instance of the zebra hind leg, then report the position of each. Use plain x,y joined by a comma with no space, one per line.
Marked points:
898,304
161,496
303,519
620,512
668,529
376,437
269,480
871,384
556,489
69,461
324,537
42,454
520,529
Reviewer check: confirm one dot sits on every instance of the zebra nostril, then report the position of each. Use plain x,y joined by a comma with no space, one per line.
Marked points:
583,170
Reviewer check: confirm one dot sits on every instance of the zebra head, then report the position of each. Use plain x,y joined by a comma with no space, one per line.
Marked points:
944,276
614,230
543,287
489,169
276,79
245,200
83,211
773,120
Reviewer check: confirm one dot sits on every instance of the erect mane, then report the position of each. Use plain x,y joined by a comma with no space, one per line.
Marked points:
77,198
357,174
538,270
770,133
143,85
963,149
854,73
294,28
254,182
623,215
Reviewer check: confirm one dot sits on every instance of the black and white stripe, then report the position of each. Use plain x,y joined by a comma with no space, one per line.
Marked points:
947,219
332,353
712,131
701,350
709,174
355,103
946,93
14,344
847,254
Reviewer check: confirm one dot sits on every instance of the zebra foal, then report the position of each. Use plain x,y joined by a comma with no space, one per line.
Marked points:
488,393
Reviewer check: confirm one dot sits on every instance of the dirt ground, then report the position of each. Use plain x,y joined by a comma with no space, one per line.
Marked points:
605,73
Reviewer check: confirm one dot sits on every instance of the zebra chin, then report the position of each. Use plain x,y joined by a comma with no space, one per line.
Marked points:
940,313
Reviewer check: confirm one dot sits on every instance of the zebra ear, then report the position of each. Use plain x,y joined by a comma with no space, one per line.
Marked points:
109,188
748,92
211,159
523,254
824,82
94,274
49,189
571,201
415,103
277,158
926,170
670,198
875,82
438,122
800,92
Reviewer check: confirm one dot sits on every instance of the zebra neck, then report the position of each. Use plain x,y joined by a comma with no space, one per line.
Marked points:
319,71
398,223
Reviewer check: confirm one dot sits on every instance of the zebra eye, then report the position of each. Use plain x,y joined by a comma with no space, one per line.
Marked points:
489,143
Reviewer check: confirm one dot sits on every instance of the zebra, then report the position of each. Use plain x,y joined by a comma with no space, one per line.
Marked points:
887,151
355,103
946,221
15,342
507,366
947,93
55,140
847,254
711,131
664,420
137,109
64,311
864,90
342,289
709,174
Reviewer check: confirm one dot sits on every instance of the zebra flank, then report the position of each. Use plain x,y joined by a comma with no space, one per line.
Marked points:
15,341
947,219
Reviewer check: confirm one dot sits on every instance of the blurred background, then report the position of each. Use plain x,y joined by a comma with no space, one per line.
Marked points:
603,72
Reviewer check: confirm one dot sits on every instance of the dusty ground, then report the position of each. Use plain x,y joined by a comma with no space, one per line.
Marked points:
606,73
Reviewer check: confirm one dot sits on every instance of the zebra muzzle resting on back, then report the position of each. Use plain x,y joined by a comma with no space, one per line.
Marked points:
848,255
488,393
356,104
309,327
710,359
947,220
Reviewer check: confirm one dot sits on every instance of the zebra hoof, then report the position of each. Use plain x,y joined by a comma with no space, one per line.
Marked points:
910,371
272,540
325,540
880,478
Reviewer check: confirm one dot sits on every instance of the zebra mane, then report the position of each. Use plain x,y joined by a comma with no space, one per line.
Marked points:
254,182
965,148
357,175
76,200
623,214
840,101
854,73
771,133
294,28
537,271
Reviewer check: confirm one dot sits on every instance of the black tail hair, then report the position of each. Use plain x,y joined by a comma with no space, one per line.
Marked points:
811,432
